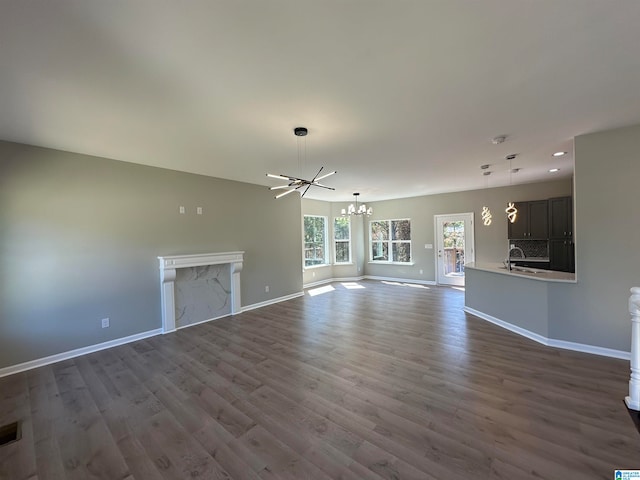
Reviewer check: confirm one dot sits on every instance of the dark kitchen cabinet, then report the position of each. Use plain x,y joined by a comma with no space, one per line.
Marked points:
561,246
560,218
562,255
532,221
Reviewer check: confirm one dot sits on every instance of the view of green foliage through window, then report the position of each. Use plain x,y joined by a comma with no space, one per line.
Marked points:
453,239
342,239
391,241
315,240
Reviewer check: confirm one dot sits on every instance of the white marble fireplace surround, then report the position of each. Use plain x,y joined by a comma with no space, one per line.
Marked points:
202,291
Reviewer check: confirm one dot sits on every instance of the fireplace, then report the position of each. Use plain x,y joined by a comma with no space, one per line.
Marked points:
207,286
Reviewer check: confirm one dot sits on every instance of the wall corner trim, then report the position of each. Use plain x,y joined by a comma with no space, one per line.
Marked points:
41,362
551,342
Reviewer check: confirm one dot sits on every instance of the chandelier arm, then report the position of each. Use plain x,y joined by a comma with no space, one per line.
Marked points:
314,178
285,193
322,186
325,176
279,177
305,190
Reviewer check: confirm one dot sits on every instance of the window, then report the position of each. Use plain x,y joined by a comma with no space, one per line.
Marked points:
391,241
315,241
342,239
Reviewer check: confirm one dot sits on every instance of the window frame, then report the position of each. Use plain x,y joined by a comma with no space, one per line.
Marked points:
347,241
390,242
325,246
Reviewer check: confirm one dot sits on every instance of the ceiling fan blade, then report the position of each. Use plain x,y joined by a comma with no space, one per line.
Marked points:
280,187
324,176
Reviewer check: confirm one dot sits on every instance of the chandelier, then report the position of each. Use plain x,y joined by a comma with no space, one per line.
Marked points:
295,183
357,209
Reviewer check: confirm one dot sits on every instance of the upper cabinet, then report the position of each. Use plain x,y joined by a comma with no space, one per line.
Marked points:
532,221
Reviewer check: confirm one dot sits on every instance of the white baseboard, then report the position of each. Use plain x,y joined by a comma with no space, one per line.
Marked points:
58,357
41,362
331,280
367,277
253,306
551,342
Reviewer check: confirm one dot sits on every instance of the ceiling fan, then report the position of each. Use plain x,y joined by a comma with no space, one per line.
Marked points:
295,183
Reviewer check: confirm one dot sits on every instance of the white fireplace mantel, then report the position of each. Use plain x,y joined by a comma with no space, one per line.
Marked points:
168,267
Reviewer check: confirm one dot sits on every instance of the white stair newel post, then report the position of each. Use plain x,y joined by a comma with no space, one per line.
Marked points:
633,400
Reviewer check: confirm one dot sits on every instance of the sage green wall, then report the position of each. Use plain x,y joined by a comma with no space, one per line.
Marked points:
525,306
79,237
491,241
607,225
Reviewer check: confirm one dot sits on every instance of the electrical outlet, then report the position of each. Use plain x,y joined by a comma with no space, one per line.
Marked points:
105,322
266,288
181,210
420,271
199,210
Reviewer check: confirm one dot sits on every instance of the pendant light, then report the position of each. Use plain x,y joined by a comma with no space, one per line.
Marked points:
295,183
486,211
511,210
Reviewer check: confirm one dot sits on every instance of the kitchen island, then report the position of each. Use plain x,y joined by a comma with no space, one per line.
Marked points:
517,300
528,272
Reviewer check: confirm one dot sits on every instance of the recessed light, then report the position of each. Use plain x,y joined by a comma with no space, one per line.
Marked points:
553,170
559,154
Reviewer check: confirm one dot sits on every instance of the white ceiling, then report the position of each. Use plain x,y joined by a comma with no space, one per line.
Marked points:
401,97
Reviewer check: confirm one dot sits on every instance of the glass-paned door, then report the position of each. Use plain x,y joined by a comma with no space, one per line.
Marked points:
455,248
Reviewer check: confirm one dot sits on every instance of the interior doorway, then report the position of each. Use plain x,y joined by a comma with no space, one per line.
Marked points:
454,247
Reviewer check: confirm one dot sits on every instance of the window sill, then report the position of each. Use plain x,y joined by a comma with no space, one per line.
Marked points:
343,264
310,267
378,262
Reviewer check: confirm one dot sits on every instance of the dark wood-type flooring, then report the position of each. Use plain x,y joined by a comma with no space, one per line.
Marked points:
379,382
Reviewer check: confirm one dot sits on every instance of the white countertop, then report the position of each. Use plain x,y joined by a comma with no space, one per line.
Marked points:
532,273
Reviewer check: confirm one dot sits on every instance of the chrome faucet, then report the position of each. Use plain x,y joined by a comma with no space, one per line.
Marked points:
507,262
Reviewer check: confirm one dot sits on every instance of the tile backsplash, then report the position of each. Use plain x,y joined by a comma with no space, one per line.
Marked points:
532,248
